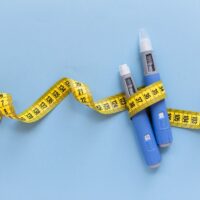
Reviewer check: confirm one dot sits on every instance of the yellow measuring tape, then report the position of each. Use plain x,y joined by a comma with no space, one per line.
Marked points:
144,98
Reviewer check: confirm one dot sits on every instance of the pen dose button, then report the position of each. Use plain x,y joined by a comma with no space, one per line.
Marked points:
148,142
162,121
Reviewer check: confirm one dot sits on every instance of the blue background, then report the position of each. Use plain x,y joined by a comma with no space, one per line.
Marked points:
75,153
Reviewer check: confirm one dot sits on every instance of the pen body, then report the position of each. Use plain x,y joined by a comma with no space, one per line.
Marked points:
146,139
159,115
141,123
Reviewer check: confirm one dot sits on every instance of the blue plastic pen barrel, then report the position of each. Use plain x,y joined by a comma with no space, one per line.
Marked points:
141,123
159,115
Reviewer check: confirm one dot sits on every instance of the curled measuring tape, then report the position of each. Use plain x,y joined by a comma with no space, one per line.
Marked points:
142,99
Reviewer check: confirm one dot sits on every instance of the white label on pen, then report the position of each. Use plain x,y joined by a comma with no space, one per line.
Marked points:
147,137
161,115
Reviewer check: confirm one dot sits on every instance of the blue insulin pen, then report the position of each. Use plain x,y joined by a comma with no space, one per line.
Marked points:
158,111
141,123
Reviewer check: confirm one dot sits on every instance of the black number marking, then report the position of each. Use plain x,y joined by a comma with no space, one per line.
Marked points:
49,100
106,106
122,101
147,96
56,94
29,115
78,84
170,116
80,92
186,119
114,104
36,111
132,104
83,100
99,107
194,120
62,88
43,105
177,117
155,91
139,100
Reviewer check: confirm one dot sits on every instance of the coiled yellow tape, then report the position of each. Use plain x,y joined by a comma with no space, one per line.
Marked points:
144,98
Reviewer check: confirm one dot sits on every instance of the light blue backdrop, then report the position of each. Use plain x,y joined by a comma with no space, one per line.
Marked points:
75,153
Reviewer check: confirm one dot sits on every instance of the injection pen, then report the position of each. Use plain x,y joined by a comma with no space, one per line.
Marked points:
141,123
159,113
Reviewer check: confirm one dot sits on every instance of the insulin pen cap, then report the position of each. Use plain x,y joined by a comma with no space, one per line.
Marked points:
124,70
145,42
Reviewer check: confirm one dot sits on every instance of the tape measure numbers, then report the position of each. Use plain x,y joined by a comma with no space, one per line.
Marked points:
50,99
145,97
142,99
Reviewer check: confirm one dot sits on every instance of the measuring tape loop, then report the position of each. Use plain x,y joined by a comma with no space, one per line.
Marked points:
144,98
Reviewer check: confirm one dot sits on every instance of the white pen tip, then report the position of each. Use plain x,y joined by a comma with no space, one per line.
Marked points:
145,42
124,69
